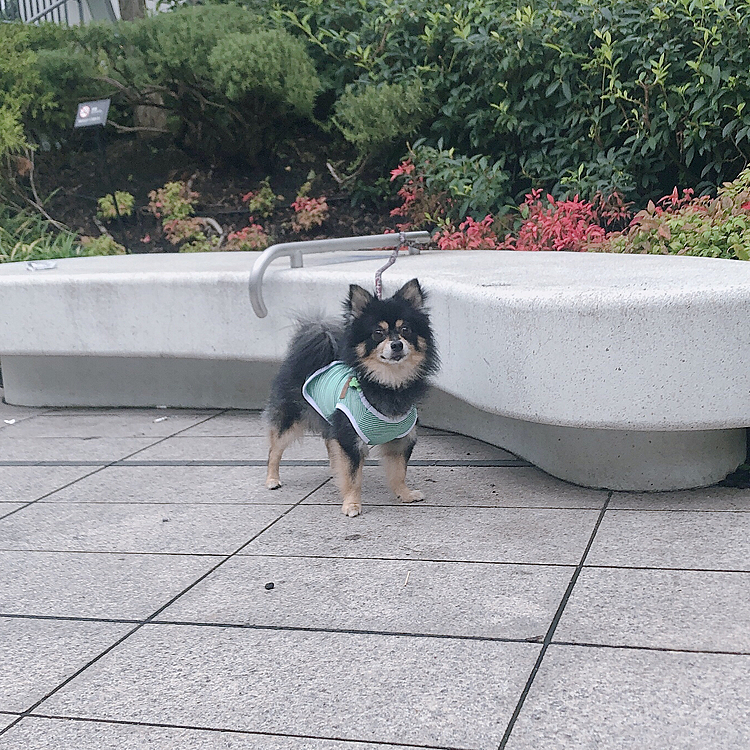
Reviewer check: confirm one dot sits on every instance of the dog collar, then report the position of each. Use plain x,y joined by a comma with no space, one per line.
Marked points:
335,387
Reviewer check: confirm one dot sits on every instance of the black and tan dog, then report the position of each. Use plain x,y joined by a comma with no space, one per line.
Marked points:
357,383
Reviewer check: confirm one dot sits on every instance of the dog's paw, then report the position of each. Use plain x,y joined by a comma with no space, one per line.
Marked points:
273,484
411,496
351,509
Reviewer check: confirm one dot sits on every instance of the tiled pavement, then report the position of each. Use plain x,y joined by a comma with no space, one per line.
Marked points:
509,610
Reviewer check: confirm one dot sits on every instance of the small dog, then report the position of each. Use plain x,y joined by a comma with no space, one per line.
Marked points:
357,384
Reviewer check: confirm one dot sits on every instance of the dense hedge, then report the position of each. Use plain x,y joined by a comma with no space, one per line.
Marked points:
230,82
579,96
576,97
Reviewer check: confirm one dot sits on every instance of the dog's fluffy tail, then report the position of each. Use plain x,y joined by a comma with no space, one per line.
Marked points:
314,345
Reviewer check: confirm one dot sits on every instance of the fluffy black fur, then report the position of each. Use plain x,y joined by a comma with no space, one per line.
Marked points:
316,344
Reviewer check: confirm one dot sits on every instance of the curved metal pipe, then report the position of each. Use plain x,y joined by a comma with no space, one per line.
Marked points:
295,250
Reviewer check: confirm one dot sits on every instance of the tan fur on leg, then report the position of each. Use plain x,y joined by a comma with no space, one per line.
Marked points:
349,487
394,461
278,444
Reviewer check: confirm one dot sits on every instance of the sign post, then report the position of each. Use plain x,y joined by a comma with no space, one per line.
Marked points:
94,115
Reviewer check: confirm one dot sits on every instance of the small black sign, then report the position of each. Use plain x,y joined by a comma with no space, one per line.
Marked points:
92,113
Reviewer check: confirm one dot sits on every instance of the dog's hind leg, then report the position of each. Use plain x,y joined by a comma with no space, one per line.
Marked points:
279,442
396,455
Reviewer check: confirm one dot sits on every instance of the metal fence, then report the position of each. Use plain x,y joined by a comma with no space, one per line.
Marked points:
68,12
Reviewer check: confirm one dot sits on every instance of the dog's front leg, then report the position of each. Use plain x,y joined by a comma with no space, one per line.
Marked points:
346,464
396,455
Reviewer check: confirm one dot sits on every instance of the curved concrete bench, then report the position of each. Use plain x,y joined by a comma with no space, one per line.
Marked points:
616,371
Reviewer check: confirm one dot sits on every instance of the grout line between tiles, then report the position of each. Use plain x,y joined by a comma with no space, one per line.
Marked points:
126,462
246,732
660,649
358,631
271,628
553,626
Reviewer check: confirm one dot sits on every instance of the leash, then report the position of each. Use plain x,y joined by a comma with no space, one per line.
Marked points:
379,273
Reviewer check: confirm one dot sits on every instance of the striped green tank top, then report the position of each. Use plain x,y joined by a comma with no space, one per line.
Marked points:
335,386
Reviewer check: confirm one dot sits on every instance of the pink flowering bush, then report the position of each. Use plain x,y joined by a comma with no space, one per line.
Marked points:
470,235
251,238
309,213
555,225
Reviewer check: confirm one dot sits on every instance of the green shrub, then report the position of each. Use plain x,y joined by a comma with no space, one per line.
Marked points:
373,117
440,185
261,202
267,66
25,235
106,205
230,84
579,97
19,85
105,244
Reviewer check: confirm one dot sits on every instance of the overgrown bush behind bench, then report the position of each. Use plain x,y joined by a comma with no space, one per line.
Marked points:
579,96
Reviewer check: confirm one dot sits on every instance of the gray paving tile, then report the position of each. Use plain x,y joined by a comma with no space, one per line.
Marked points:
120,424
675,609
501,601
457,447
61,734
70,584
518,535
473,487
27,483
231,424
114,527
718,541
333,685
101,450
192,484
610,699
5,721
708,498
229,449
7,508
8,411
185,447
37,655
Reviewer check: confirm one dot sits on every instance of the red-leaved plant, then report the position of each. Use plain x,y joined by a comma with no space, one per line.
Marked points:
555,225
470,235
309,212
251,237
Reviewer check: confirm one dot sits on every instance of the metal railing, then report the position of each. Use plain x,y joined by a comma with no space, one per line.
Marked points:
67,12
295,251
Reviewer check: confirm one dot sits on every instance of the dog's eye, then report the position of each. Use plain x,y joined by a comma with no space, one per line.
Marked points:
378,335
405,330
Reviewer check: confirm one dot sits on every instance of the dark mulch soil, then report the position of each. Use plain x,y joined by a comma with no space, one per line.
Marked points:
79,173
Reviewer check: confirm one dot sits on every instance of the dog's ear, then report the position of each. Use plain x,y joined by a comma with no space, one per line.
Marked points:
358,300
412,293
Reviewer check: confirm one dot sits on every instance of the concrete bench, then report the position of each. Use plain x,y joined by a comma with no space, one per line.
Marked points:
616,371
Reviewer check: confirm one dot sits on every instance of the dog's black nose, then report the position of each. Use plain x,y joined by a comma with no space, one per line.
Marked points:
397,346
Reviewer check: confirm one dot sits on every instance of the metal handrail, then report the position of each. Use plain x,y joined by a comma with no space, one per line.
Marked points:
295,251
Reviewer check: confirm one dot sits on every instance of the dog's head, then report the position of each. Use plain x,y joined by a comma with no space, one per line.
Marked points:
391,340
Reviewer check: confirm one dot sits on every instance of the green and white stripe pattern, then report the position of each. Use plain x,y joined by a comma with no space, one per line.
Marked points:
323,391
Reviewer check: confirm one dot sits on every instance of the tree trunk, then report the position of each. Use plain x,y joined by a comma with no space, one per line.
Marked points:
132,9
